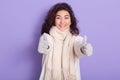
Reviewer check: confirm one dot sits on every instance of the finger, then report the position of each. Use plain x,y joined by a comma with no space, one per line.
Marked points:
85,38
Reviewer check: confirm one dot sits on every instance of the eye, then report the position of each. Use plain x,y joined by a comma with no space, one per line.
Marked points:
57,17
66,17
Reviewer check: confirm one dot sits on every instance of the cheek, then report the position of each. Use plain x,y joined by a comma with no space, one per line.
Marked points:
69,22
57,22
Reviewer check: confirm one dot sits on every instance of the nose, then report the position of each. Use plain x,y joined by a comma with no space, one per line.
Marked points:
62,21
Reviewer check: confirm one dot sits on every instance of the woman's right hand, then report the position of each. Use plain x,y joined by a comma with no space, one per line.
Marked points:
45,43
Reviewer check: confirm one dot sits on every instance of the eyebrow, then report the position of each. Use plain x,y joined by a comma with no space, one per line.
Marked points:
65,15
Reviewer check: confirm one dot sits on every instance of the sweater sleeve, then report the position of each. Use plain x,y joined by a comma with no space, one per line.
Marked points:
77,46
45,44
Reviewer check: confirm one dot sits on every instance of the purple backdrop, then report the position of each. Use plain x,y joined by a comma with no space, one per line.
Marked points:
20,22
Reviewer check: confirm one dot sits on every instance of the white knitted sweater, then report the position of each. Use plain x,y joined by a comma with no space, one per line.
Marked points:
46,45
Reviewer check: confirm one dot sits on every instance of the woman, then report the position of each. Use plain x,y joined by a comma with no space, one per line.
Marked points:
61,45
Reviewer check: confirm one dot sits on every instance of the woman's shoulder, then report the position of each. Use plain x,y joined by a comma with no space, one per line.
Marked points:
78,37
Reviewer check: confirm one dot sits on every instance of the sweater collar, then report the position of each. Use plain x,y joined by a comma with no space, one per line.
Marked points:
58,34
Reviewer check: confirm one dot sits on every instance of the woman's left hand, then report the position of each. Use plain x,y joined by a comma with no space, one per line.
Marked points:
86,48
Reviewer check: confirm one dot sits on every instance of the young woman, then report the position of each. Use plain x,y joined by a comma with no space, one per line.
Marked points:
61,45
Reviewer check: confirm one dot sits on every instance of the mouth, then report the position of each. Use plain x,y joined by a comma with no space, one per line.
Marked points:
61,26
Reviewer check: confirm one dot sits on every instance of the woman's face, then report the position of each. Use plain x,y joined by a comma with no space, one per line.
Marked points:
62,20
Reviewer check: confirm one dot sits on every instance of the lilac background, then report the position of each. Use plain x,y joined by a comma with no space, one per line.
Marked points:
20,22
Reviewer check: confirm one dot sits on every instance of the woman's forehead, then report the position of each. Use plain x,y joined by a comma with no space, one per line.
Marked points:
62,12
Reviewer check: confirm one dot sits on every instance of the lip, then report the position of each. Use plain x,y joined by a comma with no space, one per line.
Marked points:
61,26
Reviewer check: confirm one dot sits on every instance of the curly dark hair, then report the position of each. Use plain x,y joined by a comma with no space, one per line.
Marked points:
50,18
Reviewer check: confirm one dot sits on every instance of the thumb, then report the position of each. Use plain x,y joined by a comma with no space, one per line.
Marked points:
84,42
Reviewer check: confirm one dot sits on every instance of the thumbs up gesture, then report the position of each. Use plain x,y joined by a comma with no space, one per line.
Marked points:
45,43
86,48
